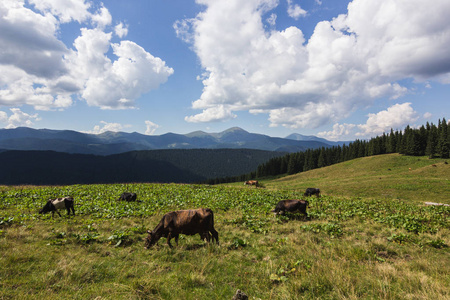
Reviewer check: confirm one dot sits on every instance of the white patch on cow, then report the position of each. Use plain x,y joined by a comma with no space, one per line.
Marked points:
59,203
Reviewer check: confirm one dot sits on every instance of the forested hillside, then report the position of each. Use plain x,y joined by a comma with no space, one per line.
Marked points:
430,140
186,166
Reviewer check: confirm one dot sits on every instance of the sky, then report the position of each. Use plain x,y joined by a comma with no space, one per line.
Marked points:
340,70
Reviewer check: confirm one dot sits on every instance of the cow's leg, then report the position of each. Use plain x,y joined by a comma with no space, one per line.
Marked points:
215,235
208,237
205,236
169,236
73,210
176,239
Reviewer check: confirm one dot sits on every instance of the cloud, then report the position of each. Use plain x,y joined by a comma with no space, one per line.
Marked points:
295,11
272,20
114,127
3,117
66,11
396,117
38,69
213,114
102,18
345,65
183,30
18,118
151,127
121,30
115,85
340,132
427,115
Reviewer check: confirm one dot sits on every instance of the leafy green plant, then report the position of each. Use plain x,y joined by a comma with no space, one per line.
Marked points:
119,237
238,243
399,238
437,243
6,221
86,238
332,229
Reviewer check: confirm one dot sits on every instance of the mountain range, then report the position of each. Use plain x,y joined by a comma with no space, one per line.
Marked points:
108,143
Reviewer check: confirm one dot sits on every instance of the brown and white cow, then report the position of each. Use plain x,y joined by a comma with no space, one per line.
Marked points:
291,206
187,222
251,182
58,203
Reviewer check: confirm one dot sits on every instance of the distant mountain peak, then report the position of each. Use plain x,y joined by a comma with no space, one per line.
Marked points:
232,129
197,133
118,142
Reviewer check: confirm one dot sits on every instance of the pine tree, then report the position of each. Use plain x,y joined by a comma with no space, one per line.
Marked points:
432,140
321,161
443,140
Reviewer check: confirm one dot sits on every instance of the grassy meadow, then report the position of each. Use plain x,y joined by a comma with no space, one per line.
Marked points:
389,176
377,241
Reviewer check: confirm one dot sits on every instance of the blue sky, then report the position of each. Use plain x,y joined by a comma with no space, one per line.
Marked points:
336,69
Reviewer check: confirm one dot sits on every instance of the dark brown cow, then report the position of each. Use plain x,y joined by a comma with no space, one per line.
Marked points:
58,203
312,191
251,182
187,222
291,206
129,197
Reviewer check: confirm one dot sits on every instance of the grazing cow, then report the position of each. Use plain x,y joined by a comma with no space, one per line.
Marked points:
312,191
129,197
291,206
251,182
187,222
434,165
58,203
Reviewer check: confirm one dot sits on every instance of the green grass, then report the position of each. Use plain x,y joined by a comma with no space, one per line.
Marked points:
350,247
390,176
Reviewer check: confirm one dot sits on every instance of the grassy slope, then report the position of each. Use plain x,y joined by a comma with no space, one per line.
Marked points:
348,248
391,176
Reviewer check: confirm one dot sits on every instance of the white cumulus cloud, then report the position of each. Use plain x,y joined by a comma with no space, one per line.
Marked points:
106,126
151,127
212,114
38,69
295,11
345,65
340,132
17,118
395,117
121,30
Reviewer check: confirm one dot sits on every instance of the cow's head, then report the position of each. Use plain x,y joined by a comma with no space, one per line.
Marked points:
151,239
47,207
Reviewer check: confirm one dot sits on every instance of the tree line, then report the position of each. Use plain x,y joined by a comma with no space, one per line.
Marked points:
430,140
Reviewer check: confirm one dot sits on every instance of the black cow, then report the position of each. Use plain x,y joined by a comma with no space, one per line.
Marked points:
58,203
312,191
187,222
129,197
291,206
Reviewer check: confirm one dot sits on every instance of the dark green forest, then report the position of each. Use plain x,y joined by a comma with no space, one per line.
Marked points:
430,140
176,165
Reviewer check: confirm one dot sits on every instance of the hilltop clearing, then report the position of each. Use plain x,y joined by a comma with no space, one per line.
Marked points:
389,176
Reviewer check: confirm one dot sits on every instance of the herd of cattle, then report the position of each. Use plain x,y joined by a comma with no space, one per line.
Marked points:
189,222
